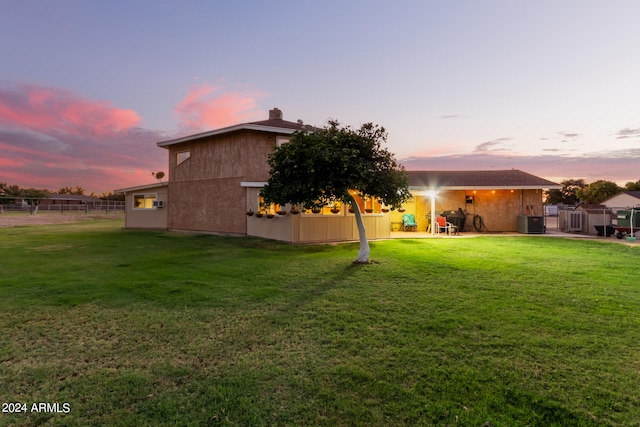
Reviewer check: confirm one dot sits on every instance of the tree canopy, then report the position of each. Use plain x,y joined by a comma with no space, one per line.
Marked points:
598,191
632,186
317,168
78,190
568,194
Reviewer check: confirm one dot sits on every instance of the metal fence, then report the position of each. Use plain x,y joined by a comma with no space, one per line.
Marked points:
101,206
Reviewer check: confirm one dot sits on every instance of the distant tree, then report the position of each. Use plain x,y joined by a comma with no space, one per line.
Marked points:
568,194
33,197
12,191
632,186
78,190
111,196
598,191
319,168
3,194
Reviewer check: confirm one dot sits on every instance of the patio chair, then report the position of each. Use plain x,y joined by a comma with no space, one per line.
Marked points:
409,222
445,226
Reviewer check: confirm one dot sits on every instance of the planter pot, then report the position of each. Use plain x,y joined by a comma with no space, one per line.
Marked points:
250,213
294,211
282,212
385,210
259,215
401,210
368,210
335,211
315,210
270,215
350,210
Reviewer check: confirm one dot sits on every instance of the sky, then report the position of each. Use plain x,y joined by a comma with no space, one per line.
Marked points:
551,87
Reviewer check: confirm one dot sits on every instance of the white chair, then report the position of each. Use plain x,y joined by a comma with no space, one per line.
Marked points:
445,226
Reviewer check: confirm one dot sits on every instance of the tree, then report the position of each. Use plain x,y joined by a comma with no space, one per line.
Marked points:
598,191
68,190
319,168
632,186
33,196
568,194
9,194
110,196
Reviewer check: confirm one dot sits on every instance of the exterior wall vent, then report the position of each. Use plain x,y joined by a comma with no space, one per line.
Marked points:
575,221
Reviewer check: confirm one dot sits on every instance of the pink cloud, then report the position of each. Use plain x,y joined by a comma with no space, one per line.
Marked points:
51,138
206,106
41,108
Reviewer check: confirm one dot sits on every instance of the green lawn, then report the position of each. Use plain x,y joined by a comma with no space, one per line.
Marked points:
155,328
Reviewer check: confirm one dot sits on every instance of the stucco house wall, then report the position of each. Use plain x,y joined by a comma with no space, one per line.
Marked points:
206,189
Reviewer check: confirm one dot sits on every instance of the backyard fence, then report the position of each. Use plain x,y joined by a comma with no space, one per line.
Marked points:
105,206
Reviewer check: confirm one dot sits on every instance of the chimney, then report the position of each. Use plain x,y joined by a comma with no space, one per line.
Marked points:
276,113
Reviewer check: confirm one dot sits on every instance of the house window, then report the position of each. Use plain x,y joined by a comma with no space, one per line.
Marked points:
281,140
181,156
144,201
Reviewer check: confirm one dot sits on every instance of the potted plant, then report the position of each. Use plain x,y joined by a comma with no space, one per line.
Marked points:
259,215
385,209
315,210
294,211
335,209
250,212
368,210
282,212
401,209
270,215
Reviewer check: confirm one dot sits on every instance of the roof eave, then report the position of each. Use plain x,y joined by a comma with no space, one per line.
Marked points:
489,187
235,128
141,187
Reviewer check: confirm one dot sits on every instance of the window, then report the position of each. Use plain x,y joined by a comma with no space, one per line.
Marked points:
144,201
181,156
281,140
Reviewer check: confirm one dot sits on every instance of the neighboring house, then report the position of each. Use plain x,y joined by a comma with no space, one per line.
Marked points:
77,202
215,179
69,199
624,199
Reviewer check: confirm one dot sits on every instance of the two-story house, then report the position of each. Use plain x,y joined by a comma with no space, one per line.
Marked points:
215,179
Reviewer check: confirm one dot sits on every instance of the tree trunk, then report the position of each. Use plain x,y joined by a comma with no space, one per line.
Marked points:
363,253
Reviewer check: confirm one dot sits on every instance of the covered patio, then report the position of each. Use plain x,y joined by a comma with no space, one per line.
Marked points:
481,201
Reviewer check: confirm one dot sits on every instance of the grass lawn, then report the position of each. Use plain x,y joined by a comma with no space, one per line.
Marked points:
155,328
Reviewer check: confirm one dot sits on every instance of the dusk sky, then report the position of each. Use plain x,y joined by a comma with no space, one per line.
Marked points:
550,87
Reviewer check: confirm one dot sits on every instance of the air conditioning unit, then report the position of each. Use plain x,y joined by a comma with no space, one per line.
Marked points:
158,204
531,224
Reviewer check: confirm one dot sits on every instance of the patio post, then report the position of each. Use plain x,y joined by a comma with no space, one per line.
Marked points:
432,196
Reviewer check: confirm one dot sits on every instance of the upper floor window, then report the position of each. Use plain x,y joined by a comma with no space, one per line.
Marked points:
181,156
281,140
